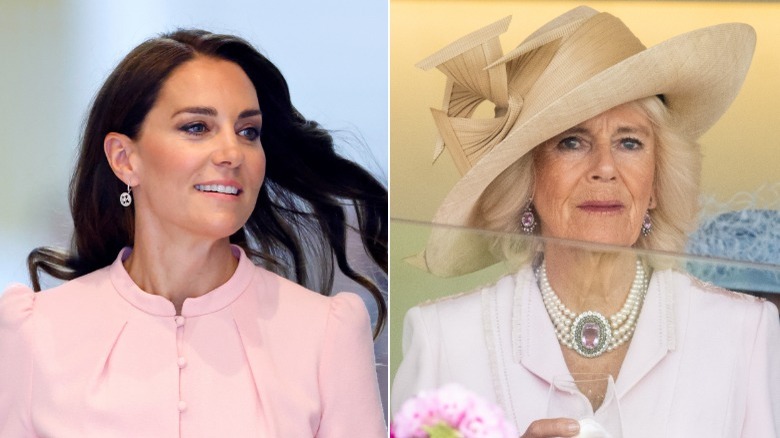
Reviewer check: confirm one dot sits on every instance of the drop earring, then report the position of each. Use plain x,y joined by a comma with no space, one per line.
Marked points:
528,219
125,199
647,224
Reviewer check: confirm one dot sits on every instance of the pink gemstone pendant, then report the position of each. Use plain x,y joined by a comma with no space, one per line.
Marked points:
591,334
528,221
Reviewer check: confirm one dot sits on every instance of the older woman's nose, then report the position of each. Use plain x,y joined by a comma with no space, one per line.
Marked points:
227,152
604,166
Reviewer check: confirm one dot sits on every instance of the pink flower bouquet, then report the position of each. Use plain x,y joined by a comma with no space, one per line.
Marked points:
450,412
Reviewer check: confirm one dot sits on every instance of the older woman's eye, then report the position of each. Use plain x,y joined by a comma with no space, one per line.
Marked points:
250,134
631,144
570,143
197,128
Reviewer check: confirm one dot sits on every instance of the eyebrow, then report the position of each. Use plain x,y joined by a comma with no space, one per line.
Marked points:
574,130
250,113
621,130
633,129
203,110
212,112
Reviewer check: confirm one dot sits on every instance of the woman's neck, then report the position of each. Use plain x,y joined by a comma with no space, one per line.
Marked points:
588,280
180,270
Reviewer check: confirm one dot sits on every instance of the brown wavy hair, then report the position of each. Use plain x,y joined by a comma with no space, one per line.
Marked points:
300,223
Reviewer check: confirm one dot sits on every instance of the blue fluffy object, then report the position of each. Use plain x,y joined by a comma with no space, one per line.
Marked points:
749,235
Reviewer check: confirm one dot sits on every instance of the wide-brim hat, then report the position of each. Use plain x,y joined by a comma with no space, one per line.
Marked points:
570,70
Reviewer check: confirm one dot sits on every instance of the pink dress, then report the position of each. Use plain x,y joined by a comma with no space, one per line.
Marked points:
258,356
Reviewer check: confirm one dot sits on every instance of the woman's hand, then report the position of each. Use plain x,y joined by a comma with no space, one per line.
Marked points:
552,427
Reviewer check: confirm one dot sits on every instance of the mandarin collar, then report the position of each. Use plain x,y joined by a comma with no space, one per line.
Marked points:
209,302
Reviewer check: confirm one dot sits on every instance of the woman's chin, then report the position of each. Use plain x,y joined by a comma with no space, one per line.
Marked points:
610,239
602,236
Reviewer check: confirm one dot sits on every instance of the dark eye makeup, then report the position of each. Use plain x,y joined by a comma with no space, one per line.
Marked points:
194,128
251,133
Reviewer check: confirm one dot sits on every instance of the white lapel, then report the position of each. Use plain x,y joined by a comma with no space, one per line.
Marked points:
654,336
534,343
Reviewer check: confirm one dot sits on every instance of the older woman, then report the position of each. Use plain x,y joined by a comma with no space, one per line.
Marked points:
194,169
593,140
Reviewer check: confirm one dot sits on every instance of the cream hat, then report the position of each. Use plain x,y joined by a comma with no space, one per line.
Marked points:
570,70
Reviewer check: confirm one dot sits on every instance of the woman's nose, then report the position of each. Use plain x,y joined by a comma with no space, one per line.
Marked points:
228,151
604,166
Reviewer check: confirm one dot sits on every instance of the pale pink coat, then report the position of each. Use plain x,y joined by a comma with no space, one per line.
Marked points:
259,356
703,362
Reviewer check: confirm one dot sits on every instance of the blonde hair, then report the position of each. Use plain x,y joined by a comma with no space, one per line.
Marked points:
676,183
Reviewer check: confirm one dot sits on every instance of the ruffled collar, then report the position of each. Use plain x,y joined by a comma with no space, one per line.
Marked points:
209,302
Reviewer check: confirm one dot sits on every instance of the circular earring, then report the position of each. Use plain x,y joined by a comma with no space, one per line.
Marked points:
528,219
125,199
647,224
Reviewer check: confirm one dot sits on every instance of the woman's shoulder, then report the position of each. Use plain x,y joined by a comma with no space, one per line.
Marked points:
702,290
504,285
707,301
300,303
284,290
68,298
16,305
452,307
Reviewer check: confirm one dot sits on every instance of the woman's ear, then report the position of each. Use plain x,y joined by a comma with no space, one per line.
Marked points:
119,148
653,203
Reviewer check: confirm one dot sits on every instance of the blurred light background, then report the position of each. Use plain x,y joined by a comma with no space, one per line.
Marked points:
55,54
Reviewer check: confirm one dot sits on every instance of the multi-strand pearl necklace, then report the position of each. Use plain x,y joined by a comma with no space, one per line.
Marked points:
590,333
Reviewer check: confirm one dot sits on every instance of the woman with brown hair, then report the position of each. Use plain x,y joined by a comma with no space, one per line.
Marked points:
194,167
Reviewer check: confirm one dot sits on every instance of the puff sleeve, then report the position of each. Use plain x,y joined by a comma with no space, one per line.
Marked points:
16,309
348,386
762,416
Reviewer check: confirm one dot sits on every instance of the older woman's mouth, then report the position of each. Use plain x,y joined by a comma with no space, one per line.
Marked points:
601,206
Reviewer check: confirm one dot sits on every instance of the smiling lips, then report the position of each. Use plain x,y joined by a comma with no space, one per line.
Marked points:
601,206
226,189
